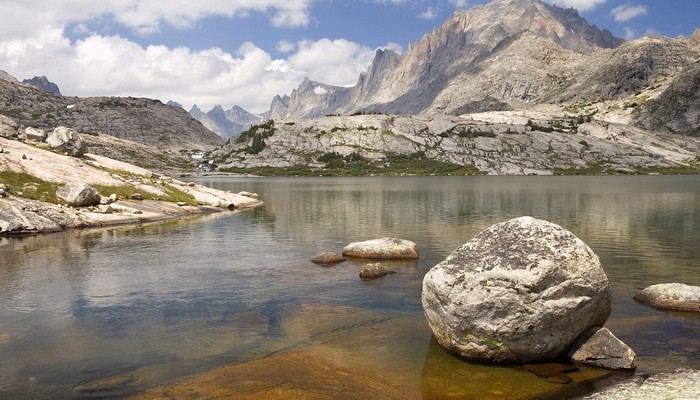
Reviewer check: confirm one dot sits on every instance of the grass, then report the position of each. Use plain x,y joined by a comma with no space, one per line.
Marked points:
595,169
355,165
46,191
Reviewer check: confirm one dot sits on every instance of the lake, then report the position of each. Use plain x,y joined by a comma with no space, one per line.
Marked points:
110,312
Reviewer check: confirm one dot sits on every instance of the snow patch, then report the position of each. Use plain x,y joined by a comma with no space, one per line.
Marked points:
319,90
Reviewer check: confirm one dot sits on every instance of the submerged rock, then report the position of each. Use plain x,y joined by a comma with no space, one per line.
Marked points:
682,384
328,257
600,348
671,296
374,271
520,291
384,248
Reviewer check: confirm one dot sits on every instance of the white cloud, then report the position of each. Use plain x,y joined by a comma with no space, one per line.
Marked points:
429,14
285,46
335,62
100,65
459,3
142,16
630,34
581,5
626,12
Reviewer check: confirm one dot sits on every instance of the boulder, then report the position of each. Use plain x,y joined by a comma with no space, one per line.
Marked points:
600,348
8,127
137,196
79,195
66,140
37,134
671,296
328,258
374,271
521,291
384,248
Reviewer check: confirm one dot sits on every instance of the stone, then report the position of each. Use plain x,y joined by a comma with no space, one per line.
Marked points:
681,384
66,140
248,194
520,291
37,134
383,248
328,257
136,196
671,296
600,348
374,271
105,209
79,195
3,193
8,127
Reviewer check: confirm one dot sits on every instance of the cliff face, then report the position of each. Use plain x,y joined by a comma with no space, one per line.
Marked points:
459,49
516,54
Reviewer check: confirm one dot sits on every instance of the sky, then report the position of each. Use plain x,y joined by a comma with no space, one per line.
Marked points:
244,52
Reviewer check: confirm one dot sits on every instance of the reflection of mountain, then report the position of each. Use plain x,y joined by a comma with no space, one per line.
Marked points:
638,219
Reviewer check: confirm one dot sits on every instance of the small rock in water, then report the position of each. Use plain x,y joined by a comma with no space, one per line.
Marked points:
600,348
374,270
384,248
328,258
671,296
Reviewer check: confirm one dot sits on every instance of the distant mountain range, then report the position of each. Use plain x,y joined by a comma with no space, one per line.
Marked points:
37,103
510,87
225,123
515,54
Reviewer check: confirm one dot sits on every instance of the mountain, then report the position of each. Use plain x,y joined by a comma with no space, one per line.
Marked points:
225,123
140,120
43,83
459,51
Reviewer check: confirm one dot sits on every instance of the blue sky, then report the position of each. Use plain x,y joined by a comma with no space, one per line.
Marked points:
243,52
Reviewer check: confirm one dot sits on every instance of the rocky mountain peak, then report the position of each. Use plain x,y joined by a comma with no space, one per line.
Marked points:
43,83
460,48
7,77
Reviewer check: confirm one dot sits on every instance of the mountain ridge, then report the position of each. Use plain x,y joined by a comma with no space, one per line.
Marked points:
407,84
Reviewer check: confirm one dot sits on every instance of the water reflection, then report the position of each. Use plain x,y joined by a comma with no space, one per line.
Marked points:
112,311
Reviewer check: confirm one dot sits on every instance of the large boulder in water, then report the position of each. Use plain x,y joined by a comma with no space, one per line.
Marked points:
521,291
383,248
66,140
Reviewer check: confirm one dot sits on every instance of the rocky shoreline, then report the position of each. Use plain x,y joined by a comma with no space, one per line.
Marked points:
37,164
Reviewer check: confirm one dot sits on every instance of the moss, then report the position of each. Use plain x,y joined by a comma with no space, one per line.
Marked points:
45,191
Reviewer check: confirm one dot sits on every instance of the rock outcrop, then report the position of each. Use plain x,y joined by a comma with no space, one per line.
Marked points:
521,291
383,248
535,142
140,120
600,348
79,195
67,141
671,296
682,384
